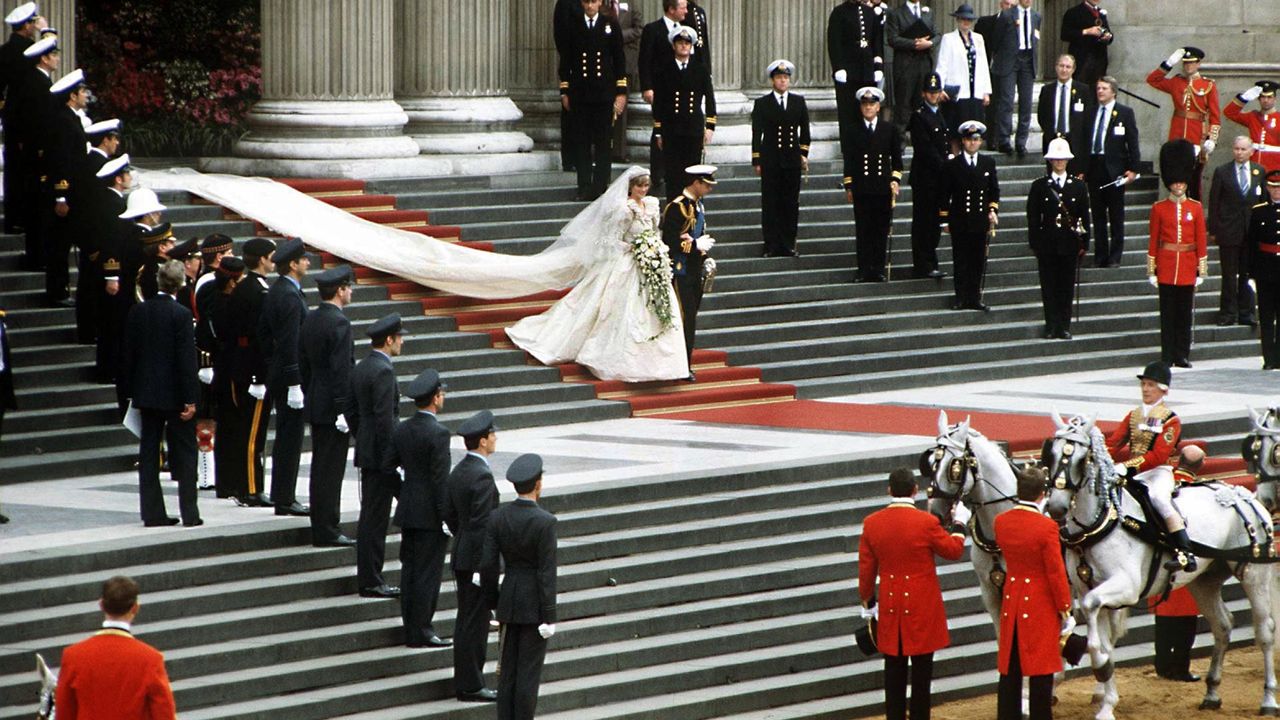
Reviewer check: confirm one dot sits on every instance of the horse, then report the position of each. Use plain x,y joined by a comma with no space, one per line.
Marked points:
1116,570
965,466
1261,452
48,688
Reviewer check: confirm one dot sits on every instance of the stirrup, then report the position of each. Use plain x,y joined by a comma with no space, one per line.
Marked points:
1181,561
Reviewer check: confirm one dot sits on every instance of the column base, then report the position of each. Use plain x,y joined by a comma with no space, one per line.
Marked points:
459,125
368,168
322,130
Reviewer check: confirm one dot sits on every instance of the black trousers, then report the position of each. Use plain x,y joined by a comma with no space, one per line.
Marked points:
228,463
471,629
328,466
286,449
779,208
911,69
1108,217
873,218
90,300
1268,309
1057,289
1174,638
377,489
969,255
1235,303
37,216
1175,322
180,436
523,652
57,274
925,229
421,569
246,440
897,669
109,352
1009,691
592,128
679,152
689,293
566,150
15,198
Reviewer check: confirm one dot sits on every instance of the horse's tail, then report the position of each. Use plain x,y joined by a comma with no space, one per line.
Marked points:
1119,624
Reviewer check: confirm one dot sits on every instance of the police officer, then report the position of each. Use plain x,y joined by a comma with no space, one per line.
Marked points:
1196,111
855,48
1058,229
593,89
872,174
326,356
283,312
1263,123
968,203
897,547
684,230
779,154
523,536
930,148
1177,257
473,496
247,370
420,445
681,123
1263,244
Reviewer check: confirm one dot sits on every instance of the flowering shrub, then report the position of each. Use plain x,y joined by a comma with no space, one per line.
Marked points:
182,74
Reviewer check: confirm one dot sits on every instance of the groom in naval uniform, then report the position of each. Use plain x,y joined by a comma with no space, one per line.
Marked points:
684,228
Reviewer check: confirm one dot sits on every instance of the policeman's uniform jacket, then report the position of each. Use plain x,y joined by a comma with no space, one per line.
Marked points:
968,194
1196,113
523,535
1177,253
375,397
326,356
1264,129
678,99
1059,220
779,138
930,146
420,445
897,546
1036,593
246,359
1152,436
874,160
473,496
593,64
696,18
855,43
283,312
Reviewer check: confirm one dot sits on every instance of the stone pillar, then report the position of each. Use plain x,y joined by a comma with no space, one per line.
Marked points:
532,63
62,16
452,63
327,70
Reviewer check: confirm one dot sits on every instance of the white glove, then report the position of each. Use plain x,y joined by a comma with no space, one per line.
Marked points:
294,398
205,375
705,243
1175,59
1253,285
1152,279
1209,146
444,528
1199,280
871,613
842,76
1067,625
879,77
547,630
475,579
961,513
1251,94
258,391
341,424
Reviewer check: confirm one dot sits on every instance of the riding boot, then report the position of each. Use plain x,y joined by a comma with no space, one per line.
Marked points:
1183,559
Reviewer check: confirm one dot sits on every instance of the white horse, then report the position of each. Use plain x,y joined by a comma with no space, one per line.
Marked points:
1115,570
1261,451
48,688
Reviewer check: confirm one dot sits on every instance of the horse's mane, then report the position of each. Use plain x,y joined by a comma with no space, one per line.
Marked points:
1102,471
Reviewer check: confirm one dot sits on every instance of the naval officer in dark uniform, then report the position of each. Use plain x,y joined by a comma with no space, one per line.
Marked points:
684,230
24,22
420,445
1263,244
523,536
473,496
62,165
872,173
780,154
856,51
684,109
1058,229
247,373
968,200
326,357
931,148
593,90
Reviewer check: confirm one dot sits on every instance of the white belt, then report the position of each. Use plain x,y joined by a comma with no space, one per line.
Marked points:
1266,148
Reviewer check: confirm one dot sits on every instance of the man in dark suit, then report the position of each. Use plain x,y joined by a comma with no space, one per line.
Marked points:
682,126
1087,33
24,22
857,61
1058,230
247,370
375,398
420,445
283,311
1064,110
160,358
872,174
593,89
1013,67
473,496
931,148
910,31
523,537
779,154
968,203
656,52
1237,186
684,230
326,355
1114,155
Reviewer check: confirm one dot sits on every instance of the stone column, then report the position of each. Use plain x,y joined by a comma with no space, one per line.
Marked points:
452,63
62,16
532,63
327,70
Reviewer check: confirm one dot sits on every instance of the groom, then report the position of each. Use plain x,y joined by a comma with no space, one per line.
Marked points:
684,230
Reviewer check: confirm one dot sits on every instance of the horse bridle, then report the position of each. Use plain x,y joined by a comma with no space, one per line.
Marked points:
1060,478
962,473
1251,452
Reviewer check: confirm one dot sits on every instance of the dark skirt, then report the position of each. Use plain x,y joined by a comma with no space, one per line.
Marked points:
961,111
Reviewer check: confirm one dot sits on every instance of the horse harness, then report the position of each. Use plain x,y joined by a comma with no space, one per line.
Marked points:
960,471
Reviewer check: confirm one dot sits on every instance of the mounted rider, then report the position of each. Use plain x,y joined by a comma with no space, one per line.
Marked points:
1152,431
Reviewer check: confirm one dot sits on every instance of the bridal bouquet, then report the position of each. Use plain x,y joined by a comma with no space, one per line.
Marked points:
655,276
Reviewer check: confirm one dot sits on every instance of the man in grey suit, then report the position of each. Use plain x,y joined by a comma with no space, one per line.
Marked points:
1013,66
912,34
1237,187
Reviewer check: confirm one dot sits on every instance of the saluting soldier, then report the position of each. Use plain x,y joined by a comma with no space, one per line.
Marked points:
779,154
968,207
897,548
523,537
872,174
857,60
1087,33
593,90
326,355
930,150
683,128
1263,244
473,496
684,230
420,445
24,22
1263,123
1177,259
1058,229
247,370
1196,117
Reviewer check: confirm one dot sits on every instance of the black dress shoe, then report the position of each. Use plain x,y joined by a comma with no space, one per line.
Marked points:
957,305
481,695
1006,149
1182,363
381,591
194,523
692,377
436,641
258,500
979,306
1049,334
937,274
1020,152
4,519
1063,335
1268,366
340,541
167,522
293,508
1249,321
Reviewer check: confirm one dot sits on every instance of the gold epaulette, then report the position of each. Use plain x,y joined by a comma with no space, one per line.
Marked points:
61,185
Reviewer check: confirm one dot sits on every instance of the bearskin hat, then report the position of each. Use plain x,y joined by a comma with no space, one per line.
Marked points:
1177,162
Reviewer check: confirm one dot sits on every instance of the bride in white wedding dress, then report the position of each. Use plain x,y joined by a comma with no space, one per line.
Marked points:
622,320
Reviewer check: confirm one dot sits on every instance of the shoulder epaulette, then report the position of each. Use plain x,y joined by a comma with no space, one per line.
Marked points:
1261,204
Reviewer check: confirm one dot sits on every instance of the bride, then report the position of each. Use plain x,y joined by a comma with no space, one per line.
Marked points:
622,320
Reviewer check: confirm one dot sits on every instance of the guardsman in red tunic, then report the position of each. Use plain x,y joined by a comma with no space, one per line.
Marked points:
1263,123
111,675
1037,601
1177,256
1196,116
898,544
1177,616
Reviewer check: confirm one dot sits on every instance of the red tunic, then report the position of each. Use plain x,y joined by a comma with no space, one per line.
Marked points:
1264,129
1035,592
1195,106
1151,440
1177,252
112,676
898,544
1179,604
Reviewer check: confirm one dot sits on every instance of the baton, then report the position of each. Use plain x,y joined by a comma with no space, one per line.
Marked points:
1120,182
1137,97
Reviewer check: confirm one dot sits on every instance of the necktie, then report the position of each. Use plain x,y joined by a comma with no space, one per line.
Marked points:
1063,109
915,10
1243,179
591,23
682,66
782,101
1098,131
1026,28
